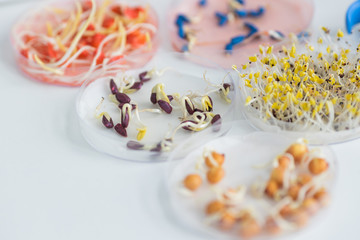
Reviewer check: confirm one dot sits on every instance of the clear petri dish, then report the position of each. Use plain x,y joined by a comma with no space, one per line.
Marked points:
286,16
114,35
248,161
322,107
179,78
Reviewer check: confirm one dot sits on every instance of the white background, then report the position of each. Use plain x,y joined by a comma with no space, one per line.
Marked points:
53,185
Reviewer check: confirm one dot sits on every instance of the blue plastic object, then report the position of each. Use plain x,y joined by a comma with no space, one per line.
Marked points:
202,2
222,18
352,16
252,29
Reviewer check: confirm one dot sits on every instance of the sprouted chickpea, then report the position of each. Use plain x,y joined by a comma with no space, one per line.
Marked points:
192,182
322,197
291,195
214,207
249,228
310,205
318,166
298,216
271,188
272,227
214,159
227,221
284,161
304,179
215,175
298,151
277,175
293,191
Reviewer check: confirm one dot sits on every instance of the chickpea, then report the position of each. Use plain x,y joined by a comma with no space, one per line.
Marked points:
294,191
271,188
219,159
214,207
298,151
244,215
322,197
192,182
215,174
285,211
271,227
304,179
284,161
277,175
298,216
227,221
249,228
310,205
318,165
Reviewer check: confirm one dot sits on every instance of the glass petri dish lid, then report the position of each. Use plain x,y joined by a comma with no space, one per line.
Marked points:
166,102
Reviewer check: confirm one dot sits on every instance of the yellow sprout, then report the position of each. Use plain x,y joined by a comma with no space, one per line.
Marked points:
269,50
247,101
253,58
340,34
141,133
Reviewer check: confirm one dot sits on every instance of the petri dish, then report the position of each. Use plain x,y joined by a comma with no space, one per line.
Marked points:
180,78
67,42
319,103
248,162
285,16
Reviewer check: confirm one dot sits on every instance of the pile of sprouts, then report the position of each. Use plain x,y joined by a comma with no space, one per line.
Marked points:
196,108
304,85
69,43
294,190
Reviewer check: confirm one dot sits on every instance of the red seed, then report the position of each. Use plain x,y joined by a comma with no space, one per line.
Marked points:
170,97
165,106
137,85
216,119
153,98
114,89
226,86
120,130
189,109
100,59
188,127
143,78
108,123
87,5
216,123
125,120
108,22
91,27
117,9
132,12
122,97
157,148
97,39
210,107
134,145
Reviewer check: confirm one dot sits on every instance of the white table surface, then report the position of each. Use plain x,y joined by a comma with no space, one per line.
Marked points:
53,185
